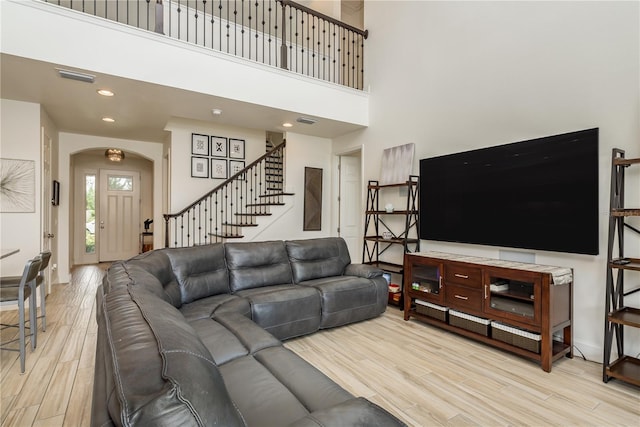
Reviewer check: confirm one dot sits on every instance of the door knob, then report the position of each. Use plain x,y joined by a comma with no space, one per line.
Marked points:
50,236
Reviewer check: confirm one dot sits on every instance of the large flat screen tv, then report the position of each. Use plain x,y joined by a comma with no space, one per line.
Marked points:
537,194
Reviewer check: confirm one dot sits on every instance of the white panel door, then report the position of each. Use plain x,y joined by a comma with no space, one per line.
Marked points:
119,223
350,204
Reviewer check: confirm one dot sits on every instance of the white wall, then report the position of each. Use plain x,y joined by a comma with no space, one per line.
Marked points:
185,189
488,73
20,140
303,151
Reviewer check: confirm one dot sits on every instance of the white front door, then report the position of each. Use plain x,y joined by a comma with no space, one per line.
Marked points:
350,204
119,222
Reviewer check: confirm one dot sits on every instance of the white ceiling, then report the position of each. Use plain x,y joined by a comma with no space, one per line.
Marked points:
141,109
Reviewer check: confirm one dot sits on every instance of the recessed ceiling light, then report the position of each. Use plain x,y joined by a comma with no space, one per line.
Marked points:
287,125
108,119
216,112
105,92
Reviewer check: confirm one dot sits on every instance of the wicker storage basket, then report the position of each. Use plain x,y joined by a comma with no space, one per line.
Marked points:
469,322
515,336
432,310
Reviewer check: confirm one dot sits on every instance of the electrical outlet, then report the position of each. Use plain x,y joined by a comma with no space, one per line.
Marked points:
54,267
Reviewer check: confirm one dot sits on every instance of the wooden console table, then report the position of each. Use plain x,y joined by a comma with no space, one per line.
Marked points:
511,305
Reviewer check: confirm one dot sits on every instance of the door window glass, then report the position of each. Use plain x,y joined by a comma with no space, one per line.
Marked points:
90,214
120,183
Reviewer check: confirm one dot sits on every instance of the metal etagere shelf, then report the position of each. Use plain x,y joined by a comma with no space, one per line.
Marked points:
618,314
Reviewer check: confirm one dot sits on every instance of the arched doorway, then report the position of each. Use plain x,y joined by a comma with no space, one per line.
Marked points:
110,202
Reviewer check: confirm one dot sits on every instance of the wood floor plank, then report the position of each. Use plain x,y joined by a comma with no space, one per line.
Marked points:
32,392
56,398
20,417
79,410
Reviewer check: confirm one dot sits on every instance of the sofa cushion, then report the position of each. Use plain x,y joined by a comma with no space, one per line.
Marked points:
286,311
257,264
201,271
152,270
347,299
310,386
261,398
356,412
314,258
231,336
207,308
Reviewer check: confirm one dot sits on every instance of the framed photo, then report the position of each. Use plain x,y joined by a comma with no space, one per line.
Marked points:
312,199
199,167
199,144
218,168
218,146
236,148
17,185
236,166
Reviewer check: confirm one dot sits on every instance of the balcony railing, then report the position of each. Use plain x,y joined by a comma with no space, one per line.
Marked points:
280,33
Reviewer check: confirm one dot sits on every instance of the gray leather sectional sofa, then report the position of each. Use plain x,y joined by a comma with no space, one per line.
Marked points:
192,336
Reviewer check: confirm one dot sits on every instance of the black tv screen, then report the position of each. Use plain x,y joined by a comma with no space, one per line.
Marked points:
537,194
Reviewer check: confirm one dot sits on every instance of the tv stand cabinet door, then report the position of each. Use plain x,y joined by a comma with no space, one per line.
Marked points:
520,303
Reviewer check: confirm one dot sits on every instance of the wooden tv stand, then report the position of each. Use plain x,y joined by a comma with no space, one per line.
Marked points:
511,305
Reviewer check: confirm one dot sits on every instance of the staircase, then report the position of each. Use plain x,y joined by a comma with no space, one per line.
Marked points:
224,212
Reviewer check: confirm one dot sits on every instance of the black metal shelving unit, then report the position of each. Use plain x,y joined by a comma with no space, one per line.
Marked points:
377,225
617,314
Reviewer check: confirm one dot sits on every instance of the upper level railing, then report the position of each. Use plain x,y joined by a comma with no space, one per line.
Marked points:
279,33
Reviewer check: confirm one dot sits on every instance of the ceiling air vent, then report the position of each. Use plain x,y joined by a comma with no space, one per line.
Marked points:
74,75
305,120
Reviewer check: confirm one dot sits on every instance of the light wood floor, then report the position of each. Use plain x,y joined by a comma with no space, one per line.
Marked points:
425,376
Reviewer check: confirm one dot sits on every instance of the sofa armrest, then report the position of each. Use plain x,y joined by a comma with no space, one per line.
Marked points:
353,412
362,270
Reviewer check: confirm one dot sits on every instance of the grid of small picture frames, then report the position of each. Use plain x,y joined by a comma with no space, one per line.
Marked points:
216,157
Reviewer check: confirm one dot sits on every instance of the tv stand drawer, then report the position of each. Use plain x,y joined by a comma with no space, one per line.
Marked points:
463,275
462,297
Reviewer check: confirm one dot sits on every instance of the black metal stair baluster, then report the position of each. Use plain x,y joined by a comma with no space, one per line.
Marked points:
315,51
293,65
242,26
256,35
262,30
352,58
334,54
220,25
273,31
213,24
216,219
202,208
324,45
235,27
175,233
228,26
179,19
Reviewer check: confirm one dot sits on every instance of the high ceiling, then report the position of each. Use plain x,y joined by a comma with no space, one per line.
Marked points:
141,109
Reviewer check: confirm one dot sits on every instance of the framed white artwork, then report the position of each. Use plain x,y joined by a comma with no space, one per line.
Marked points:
218,168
